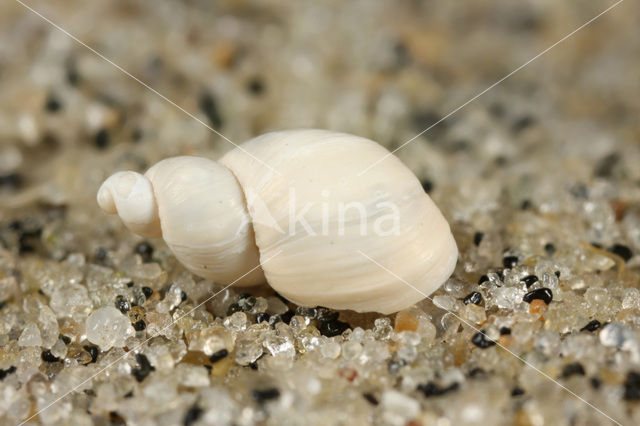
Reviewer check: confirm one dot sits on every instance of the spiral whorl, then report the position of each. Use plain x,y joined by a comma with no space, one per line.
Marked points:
130,195
204,219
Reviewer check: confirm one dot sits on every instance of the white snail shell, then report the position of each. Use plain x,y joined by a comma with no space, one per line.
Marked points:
222,218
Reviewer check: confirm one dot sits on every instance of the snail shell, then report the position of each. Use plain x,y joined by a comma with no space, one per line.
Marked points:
299,199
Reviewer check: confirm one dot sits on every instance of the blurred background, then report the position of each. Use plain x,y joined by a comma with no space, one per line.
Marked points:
384,70
536,168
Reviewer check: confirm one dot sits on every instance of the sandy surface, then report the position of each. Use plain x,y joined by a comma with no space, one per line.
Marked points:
538,177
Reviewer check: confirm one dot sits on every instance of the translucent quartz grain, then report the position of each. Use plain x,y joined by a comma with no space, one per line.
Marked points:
278,345
473,313
407,353
330,349
446,302
307,339
261,305
457,288
631,299
298,322
236,322
174,296
351,350
505,297
108,327
71,300
59,349
148,274
382,328
426,328
247,351
48,327
210,340
357,334
30,336
160,324
549,280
